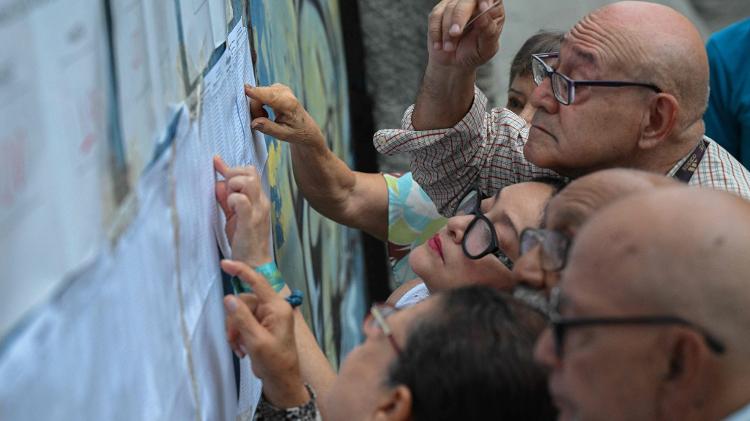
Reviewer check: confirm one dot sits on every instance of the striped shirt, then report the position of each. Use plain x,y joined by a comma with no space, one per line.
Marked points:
486,148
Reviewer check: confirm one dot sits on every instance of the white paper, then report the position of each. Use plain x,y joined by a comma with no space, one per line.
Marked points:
200,276
54,185
196,210
110,346
217,10
225,122
136,107
239,46
165,61
197,34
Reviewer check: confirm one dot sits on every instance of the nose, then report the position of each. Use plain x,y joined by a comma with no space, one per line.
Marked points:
456,227
528,269
544,350
543,97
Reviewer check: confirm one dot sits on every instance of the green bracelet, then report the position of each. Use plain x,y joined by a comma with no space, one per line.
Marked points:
269,271
272,275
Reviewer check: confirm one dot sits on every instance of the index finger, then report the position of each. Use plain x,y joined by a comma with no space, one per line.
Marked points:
276,96
221,166
260,286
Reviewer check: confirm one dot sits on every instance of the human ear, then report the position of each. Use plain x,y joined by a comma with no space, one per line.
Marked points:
684,380
396,405
659,121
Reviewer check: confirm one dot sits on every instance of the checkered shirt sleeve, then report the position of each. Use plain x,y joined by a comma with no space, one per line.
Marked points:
719,170
484,148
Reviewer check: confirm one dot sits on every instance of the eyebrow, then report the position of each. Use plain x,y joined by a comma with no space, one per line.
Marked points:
506,220
517,92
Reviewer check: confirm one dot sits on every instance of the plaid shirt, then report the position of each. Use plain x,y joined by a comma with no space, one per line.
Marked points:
488,147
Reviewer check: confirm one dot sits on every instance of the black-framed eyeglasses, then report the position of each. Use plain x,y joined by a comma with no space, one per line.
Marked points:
379,312
554,247
564,87
480,237
560,325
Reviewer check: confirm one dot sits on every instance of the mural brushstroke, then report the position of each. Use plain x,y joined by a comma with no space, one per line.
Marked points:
299,43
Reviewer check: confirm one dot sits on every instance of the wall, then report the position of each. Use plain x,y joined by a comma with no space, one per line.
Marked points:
110,302
299,43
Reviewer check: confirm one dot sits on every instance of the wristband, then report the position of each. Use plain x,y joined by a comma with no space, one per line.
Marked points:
272,275
269,271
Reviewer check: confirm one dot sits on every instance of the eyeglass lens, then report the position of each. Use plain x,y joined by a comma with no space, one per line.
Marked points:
478,237
554,247
560,85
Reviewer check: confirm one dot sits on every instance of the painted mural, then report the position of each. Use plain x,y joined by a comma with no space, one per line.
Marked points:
299,43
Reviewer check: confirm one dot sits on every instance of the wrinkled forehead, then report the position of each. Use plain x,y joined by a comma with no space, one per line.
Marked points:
598,45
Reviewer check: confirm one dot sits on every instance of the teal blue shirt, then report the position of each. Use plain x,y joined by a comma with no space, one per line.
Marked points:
728,115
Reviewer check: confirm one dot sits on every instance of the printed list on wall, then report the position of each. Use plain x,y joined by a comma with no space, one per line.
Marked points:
111,237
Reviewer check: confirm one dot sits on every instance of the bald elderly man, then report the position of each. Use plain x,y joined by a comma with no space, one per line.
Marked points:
654,325
627,89
544,250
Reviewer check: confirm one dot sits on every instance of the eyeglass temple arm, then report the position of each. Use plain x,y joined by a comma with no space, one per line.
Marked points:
713,343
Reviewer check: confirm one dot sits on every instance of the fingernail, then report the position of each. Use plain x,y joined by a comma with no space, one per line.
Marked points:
236,353
437,46
243,349
230,304
256,125
483,6
448,46
455,29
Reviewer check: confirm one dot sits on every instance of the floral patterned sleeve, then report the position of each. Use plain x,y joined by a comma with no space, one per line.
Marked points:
307,412
412,219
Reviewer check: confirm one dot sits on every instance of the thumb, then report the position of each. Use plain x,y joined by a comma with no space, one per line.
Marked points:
272,128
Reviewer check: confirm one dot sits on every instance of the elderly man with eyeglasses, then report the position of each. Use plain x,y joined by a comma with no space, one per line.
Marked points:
649,320
628,89
543,251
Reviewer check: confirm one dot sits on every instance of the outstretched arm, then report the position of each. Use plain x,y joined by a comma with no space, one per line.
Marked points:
356,199
455,52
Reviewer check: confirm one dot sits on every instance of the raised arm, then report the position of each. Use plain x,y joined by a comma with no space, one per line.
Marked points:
455,53
352,198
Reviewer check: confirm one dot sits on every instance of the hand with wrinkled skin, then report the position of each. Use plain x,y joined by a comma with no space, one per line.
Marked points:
292,123
352,198
450,43
261,325
248,213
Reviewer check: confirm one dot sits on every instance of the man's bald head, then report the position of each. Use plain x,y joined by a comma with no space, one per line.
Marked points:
583,196
654,43
680,251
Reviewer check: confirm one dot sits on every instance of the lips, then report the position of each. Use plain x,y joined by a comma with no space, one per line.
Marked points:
543,130
435,244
